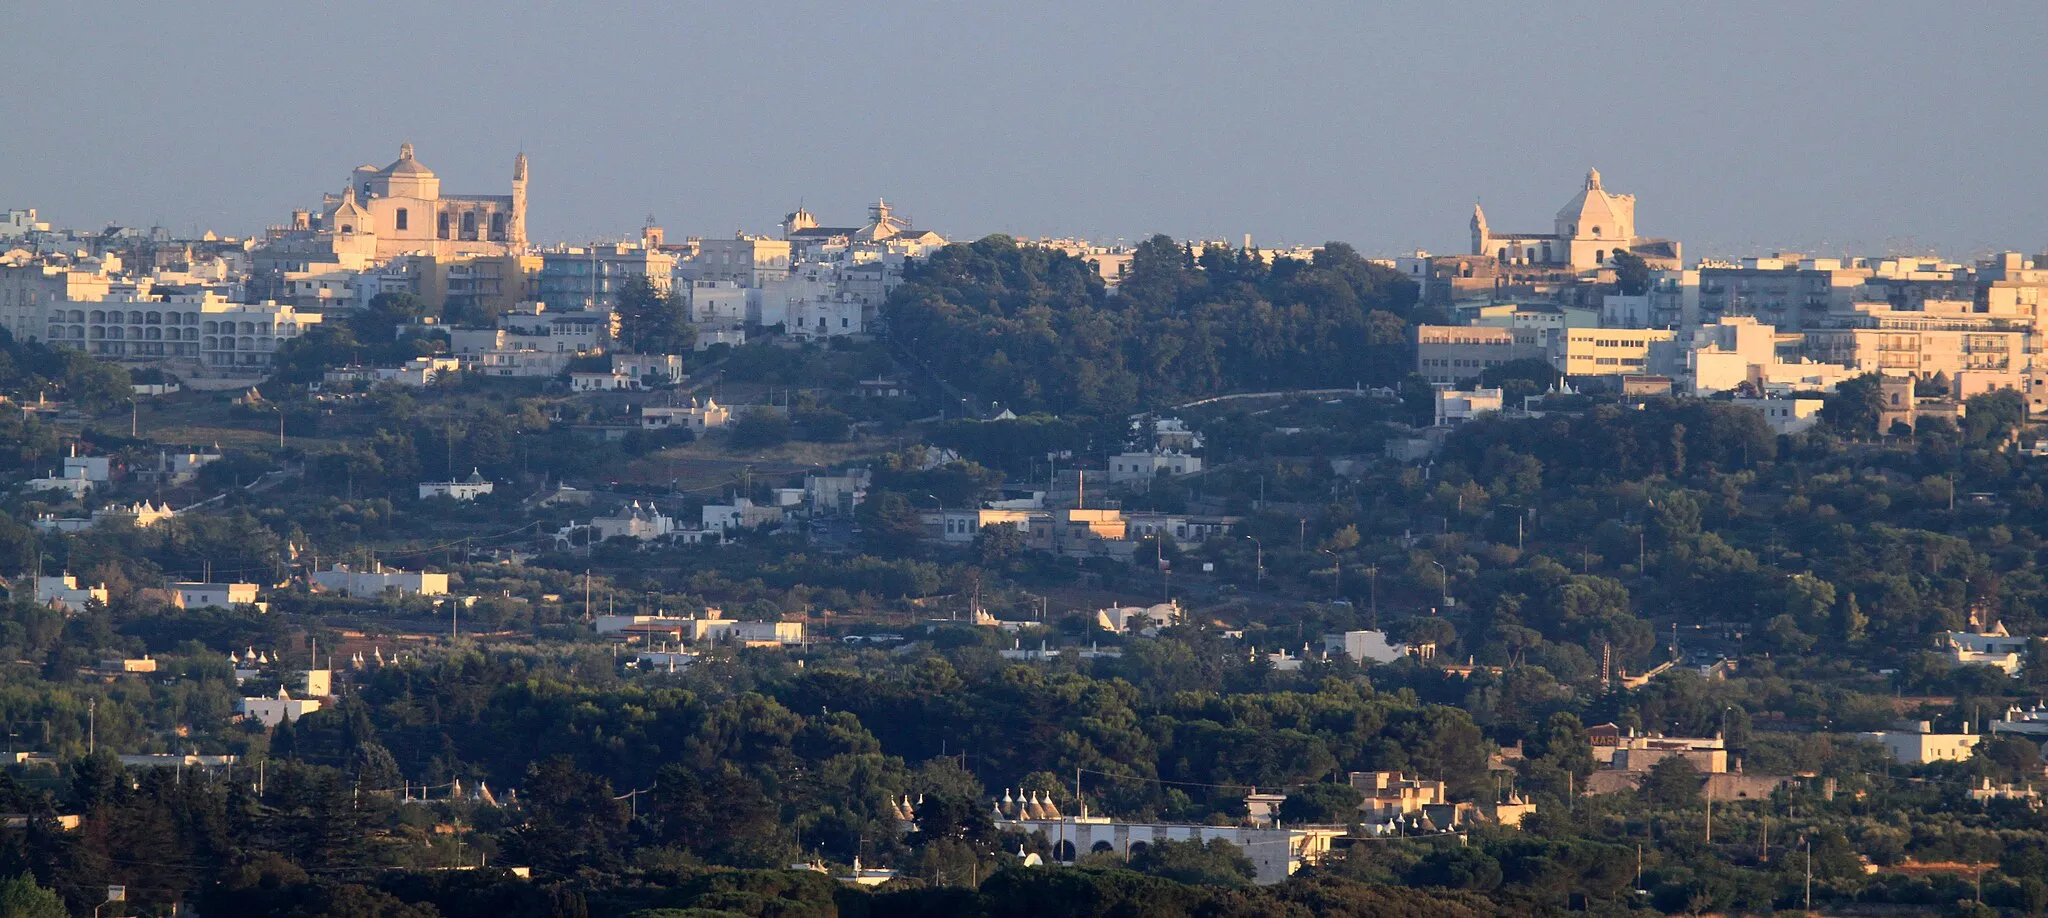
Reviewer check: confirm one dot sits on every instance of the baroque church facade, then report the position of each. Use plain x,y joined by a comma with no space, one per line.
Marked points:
1588,231
399,209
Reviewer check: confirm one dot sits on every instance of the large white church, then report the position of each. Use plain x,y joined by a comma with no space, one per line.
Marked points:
1589,230
400,209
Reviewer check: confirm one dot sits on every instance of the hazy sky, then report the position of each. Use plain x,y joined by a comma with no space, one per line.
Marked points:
1866,127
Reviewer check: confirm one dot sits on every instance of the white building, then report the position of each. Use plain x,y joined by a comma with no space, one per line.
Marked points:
717,304
270,711
1785,415
1918,747
742,261
212,595
18,222
1141,467
1454,407
697,417
1996,647
633,522
1365,646
63,592
741,513
662,369
180,468
376,580
836,495
1276,853
141,515
1139,619
753,634
602,381
468,489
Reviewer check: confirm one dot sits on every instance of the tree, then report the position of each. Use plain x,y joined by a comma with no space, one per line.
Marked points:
1631,273
1322,803
1456,868
1517,378
759,428
997,543
652,321
1212,863
1993,416
1673,782
20,897
1857,404
890,523
572,819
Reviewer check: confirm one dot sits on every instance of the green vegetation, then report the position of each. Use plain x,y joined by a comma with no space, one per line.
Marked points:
1796,585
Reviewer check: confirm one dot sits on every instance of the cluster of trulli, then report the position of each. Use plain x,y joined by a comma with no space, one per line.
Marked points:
1032,805
248,658
376,658
904,810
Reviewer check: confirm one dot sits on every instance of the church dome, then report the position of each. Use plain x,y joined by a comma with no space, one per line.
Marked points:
406,164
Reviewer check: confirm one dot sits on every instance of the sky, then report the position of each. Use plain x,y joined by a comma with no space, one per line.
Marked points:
1742,128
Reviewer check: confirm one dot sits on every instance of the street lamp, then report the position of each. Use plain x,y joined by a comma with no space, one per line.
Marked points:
1259,562
1443,581
1337,586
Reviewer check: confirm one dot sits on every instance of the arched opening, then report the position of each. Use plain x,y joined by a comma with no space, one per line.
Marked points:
1600,256
1502,254
1138,848
404,219
1100,847
1596,232
1063,851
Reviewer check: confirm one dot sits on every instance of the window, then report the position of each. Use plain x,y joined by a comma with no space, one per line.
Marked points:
498,226
469,225
443,233
403,222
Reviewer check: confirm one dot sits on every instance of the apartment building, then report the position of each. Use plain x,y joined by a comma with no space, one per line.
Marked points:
1581,352
1788,291
1447,355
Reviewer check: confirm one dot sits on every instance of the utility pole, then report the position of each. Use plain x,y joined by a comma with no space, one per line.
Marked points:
1372,576
92,725
1808,842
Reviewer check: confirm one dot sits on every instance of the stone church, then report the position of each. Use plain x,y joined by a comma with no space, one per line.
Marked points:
399,209
1589,229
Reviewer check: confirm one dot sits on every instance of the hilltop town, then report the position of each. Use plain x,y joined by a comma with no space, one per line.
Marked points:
393,556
